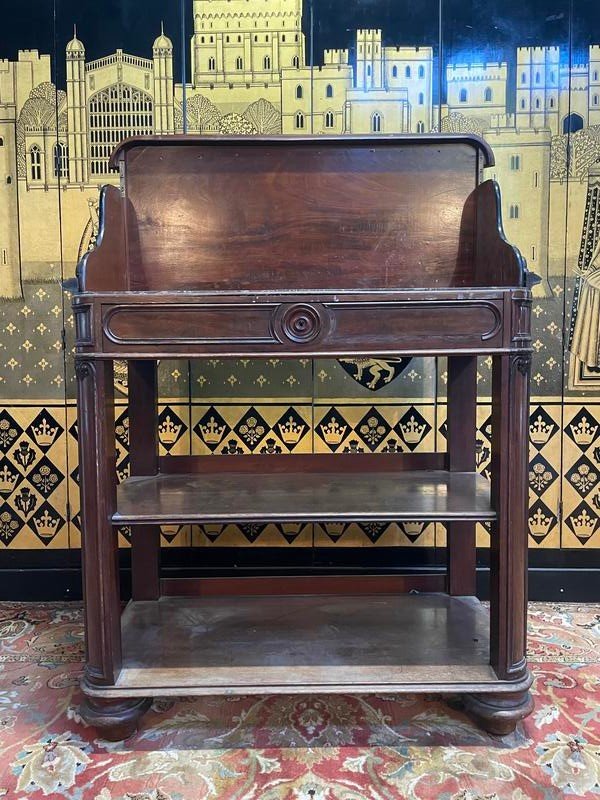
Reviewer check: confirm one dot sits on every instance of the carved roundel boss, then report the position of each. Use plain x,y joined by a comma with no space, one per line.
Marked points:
301,322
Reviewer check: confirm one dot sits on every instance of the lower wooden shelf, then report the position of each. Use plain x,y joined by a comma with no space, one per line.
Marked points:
299,643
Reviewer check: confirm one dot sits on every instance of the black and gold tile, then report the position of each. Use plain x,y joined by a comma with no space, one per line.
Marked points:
581,476
33,477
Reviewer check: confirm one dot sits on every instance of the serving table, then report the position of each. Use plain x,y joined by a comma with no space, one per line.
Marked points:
300,247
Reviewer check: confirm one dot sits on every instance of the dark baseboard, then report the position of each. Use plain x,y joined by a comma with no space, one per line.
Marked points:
556,576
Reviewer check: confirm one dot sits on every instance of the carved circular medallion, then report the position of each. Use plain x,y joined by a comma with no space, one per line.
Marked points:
299,322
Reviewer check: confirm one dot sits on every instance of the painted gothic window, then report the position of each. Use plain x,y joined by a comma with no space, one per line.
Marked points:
35,162
267,62
407,72
61,160
488,95
299,92
115,114
295,61
329,90
376,122
421,71
299,120
329,119
463,96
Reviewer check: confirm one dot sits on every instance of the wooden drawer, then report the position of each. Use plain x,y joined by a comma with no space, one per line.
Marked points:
302,327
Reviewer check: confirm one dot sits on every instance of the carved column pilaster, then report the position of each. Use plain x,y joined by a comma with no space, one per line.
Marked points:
508,557
96,439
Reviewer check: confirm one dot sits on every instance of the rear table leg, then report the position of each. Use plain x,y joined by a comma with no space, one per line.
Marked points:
114,719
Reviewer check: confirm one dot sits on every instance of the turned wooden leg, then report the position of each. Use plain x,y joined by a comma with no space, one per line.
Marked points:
498,713
114,719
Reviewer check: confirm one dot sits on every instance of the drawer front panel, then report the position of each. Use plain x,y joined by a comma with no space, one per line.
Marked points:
303,327
193,324
475,322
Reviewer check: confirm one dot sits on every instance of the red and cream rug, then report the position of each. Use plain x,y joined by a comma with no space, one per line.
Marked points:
296,748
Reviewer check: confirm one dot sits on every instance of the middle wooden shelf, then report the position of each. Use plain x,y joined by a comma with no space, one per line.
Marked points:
303,495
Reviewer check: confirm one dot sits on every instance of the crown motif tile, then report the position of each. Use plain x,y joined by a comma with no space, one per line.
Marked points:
10,477
211,428
44,430
170,428
46,522
583,429
541,521
291,428
412,428
541,427
583,521
332,428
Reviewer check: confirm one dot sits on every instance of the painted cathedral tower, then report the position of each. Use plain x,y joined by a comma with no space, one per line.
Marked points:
77,133
162,57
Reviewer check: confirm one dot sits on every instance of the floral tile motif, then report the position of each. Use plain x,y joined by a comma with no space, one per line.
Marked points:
313,747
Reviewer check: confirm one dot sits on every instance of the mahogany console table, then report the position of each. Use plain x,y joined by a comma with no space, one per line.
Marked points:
303,247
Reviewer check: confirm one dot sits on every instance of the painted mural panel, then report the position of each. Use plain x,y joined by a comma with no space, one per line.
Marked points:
505,78
581,457
523,75
34,465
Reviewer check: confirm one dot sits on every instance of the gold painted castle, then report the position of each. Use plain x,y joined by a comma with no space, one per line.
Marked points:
249,75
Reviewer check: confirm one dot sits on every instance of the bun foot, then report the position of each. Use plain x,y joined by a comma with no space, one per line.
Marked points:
498,713
115,720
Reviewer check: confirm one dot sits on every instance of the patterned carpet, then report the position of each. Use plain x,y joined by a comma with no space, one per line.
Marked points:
296,748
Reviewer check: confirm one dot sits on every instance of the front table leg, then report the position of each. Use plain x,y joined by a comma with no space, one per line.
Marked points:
102,602
500,712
